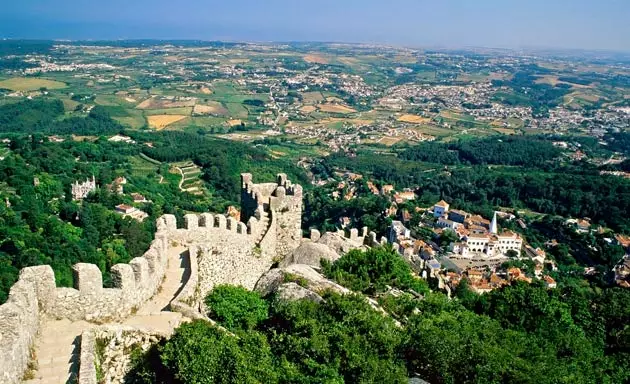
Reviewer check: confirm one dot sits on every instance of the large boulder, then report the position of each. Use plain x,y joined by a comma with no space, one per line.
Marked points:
314,280
311,279
310,253
269,282
293,292
310,284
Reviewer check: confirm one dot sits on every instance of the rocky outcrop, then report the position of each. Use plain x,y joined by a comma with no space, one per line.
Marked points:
310,253
293,292
270,282
311,279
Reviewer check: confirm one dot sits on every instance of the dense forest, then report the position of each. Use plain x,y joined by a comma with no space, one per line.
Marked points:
44,116
222,161
518,334
38,225
507,150
323,212
619,142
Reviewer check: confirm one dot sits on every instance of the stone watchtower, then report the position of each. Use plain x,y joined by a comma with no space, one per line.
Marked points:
282,201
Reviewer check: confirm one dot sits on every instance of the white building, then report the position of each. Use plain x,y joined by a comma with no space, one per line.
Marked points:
443,222
440,208
488,245
398,230
80,191
130,211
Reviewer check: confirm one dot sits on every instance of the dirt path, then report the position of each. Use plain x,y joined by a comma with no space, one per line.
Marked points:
183,180
57,347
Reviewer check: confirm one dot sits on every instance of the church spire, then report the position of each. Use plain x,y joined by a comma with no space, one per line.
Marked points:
493,225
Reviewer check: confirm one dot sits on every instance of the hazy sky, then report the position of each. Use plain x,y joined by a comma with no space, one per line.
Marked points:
590,24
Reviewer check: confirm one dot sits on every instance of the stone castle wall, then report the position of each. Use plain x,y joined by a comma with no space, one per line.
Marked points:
282,198
361,237
36,296
223,251
187,302
114,358
134,284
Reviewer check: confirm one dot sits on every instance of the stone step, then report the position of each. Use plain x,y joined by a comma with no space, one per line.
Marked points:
57,350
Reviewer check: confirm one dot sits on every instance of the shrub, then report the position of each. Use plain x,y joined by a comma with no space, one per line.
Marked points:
236,307
202,354
371,271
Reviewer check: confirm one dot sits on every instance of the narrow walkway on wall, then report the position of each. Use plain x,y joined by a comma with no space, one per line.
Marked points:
155,313
265,224
57,347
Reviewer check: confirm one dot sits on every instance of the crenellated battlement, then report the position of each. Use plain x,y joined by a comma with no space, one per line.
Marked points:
363,236
221,250
35,296
133,284
199,228
280,201
269,195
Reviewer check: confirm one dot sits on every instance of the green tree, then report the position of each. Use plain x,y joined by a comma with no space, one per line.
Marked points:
373,270
236,307
342,340
202,354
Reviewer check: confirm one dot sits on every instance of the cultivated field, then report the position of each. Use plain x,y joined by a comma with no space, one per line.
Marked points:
308,109
414,119
316,59
30,84
312,97
162,121
158,103
553,81
347,121
389,141
504,131
234,122
142,168
336,108
212,108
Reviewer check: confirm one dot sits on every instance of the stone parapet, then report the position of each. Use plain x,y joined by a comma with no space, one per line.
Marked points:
188,301
35,296
133,284
113,358
362,236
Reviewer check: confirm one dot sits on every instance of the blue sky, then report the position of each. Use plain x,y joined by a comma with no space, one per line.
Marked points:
587,24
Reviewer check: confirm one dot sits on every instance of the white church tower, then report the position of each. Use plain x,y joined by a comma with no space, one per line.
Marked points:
493,225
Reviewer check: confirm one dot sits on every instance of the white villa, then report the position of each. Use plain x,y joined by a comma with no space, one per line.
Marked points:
477,237
80,191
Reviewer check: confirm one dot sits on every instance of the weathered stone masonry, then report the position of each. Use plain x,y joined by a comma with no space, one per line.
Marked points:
283,199
221,250
35,297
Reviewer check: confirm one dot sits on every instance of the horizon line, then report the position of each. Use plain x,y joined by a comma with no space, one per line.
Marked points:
445,47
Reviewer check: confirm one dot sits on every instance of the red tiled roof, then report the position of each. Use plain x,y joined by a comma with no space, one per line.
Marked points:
442,204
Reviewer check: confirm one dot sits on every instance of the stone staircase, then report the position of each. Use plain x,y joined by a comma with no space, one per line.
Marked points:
57,352
265,222
57,348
